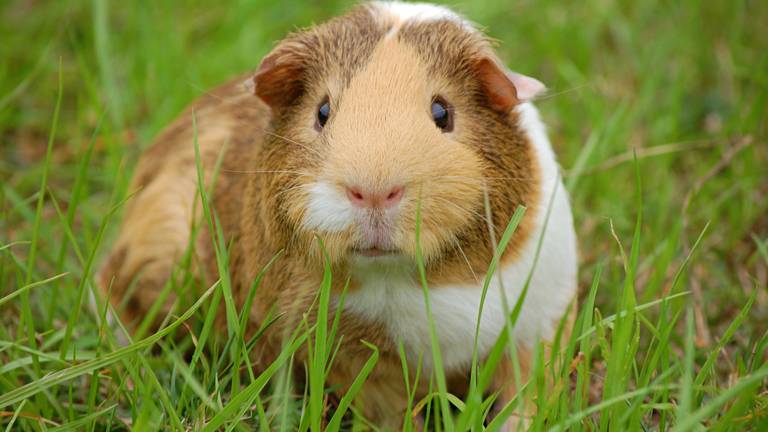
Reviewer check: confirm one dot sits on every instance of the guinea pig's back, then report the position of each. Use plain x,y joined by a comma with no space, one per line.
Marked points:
225,124
227,116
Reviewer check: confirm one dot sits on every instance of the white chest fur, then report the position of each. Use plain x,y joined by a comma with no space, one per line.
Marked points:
397,301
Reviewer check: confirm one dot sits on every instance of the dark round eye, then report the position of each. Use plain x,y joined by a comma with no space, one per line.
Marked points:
442,115
323,112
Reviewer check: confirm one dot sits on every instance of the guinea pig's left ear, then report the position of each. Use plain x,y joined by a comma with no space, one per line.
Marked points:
505,88
278,80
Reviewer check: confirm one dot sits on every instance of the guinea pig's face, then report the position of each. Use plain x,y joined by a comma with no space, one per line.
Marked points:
380,121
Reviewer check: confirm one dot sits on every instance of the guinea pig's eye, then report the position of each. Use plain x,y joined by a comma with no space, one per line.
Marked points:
442,115
323,112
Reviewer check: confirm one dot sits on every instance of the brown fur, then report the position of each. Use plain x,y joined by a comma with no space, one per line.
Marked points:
271,149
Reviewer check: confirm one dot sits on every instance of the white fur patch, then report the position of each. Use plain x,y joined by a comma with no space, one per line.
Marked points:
327,208
396,300
418,12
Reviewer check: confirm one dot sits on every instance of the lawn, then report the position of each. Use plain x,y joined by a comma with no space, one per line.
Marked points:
657,110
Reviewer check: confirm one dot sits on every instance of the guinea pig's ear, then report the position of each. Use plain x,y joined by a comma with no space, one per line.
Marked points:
278,80
505,88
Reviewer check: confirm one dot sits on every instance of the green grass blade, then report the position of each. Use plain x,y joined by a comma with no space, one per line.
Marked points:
26,288
242,400
357,384
69,373
691,421
437,359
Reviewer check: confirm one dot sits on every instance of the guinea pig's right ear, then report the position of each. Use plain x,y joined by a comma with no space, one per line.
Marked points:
504,88
278,81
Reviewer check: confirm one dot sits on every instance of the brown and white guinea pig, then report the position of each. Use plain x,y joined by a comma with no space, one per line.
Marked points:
343,131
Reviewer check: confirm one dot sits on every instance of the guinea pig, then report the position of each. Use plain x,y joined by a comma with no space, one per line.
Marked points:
354,131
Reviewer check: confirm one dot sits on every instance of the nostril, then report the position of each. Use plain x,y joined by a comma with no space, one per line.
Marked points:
394,196
355,195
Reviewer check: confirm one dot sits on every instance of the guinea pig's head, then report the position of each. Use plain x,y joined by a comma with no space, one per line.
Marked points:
386,113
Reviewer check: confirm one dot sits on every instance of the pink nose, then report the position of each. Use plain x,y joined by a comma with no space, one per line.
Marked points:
369,199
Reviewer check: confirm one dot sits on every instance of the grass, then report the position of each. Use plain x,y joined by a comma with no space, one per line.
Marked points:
658,111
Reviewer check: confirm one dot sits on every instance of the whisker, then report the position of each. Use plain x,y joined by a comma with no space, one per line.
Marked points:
286,139
475,180
204,91
479,181
457,245
512,178
570,90
300,173
286,190
464,209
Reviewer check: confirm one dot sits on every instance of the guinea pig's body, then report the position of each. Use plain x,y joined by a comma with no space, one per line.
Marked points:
356,126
